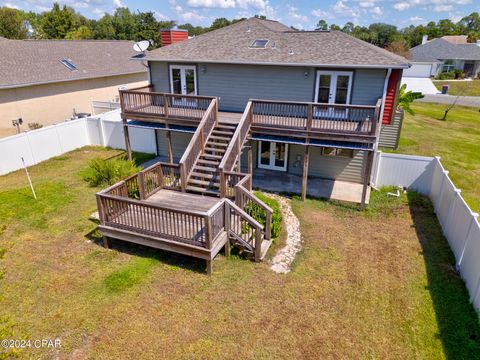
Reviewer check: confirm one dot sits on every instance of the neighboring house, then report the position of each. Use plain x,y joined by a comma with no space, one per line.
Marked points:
44,81
293,111
445,54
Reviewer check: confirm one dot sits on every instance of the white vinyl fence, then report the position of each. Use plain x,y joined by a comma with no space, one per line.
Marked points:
459,224
50,141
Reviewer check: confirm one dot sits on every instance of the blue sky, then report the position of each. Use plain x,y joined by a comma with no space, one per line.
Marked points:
302,14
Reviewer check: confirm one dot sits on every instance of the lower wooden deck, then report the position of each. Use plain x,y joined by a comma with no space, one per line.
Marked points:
180,225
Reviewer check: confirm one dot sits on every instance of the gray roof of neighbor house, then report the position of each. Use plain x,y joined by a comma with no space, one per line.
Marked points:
33,62
442,49
232,44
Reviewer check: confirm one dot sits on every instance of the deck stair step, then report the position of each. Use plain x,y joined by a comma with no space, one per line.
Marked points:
212,143
209,149
203,182
205,168
221,138
208,162
210,156
203,175
202,190
222,132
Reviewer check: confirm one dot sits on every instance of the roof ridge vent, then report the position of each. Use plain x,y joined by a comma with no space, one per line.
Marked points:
291,52
274,45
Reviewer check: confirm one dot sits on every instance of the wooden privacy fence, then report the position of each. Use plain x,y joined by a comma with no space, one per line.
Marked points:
459,223
148,103
315,117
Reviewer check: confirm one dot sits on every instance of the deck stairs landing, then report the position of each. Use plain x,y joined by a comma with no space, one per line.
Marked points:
204,177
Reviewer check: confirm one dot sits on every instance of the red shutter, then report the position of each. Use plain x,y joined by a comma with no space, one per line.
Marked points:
390,100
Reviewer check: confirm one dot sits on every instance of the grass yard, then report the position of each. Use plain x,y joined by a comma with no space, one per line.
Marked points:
464,88
374,284
456,141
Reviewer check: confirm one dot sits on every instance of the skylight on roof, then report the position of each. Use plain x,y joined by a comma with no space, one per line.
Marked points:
69,64
259,44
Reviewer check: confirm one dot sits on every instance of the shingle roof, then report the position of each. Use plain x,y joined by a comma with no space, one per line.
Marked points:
231,44
28,62
441,49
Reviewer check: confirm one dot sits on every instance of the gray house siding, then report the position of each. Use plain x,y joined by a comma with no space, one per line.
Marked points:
390,134
179,144
368,86
334,168
235,84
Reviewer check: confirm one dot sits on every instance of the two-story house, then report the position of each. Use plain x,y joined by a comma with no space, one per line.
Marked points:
258,104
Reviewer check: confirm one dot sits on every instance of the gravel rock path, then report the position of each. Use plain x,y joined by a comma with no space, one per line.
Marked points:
282,261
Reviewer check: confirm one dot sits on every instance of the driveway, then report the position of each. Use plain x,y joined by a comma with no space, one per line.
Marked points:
418,84
473,101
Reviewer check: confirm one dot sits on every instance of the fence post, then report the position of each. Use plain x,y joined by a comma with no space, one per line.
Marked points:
226,221
183,177
258,244
450,212
208,231
439,205
165,105
309,117
465,243
268,226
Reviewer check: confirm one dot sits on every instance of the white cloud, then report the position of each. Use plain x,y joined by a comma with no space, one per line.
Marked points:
98,12
367,3
295,15
432,5
416,19
192,16
442,8
401,6
159,16
376,12
222,4
118,3
319,13
341,9
12,6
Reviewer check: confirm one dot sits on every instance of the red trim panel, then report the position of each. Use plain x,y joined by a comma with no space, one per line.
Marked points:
392,89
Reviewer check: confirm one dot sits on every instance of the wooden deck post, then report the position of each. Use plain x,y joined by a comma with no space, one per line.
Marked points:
250,162
127,139
165,105
226,213
169,145
141,185
305,173
366,179
209,267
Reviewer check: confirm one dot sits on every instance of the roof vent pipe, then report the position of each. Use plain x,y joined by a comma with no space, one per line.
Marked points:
424,39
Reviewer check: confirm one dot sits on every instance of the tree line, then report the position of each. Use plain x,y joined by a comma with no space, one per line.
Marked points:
63,22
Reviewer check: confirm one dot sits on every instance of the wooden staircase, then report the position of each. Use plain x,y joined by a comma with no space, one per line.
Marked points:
204,177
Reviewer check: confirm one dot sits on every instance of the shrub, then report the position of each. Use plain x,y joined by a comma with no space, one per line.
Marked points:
259,214
459,74
449,75
108,172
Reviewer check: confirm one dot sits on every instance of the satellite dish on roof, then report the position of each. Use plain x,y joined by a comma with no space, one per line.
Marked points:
141,46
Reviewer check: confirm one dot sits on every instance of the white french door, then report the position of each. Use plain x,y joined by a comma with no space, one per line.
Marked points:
333,87
272,155
183,80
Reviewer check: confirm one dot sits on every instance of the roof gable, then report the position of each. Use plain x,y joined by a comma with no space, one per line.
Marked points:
232,44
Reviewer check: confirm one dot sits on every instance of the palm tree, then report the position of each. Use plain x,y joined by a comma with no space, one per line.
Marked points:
405,98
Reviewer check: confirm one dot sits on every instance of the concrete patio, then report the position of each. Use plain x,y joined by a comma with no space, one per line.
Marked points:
276,181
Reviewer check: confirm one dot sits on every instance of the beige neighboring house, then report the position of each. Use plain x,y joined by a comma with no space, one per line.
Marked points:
43,81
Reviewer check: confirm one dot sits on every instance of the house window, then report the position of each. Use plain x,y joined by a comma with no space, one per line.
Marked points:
259,44
330,151
69,64
448,66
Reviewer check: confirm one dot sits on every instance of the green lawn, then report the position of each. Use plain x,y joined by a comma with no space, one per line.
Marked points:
465,88
456,141
376,284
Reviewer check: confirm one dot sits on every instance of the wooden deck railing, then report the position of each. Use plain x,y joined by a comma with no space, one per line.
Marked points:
234,149
145,104
311,118
198,141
